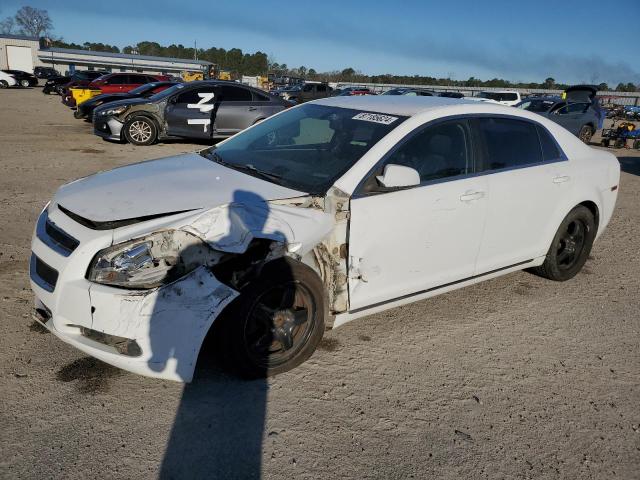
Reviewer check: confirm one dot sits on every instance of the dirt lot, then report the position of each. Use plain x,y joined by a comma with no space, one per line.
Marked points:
513,378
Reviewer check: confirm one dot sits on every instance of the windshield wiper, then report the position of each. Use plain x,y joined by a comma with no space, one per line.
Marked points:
215,156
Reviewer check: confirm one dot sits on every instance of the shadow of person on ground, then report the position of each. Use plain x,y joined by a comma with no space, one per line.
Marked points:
630,165
219,423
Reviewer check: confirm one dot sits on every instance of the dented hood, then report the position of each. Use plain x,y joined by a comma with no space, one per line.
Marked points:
156,187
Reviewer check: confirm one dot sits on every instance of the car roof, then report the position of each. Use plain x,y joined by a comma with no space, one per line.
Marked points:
392,104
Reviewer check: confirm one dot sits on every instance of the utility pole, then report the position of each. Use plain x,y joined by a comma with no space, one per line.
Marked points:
195,50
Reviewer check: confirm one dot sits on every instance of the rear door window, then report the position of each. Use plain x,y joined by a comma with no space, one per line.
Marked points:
228,93
509,143
118,80
550,149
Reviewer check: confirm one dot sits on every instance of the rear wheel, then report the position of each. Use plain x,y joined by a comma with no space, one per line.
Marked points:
636,144
276,323
4,84
586,132
605,142
620,143
570,247
140,130
25,83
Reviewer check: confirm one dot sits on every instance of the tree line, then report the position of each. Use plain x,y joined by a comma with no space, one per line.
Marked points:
37,23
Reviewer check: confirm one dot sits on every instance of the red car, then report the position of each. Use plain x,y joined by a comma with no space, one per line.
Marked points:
124,82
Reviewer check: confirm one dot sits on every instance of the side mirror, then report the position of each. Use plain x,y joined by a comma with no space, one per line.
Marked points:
399,176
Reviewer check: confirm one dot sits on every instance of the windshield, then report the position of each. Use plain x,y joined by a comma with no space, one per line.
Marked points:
166,93
306,148
538,106
143,88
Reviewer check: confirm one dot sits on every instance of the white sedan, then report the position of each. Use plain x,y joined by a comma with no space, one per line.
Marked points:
326,212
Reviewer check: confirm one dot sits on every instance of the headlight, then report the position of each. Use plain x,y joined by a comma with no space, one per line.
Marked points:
114,111
151,261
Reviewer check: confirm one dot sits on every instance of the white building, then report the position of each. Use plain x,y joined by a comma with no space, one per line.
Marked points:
19,52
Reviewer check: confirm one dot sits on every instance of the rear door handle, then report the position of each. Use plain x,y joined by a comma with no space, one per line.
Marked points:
252,109
561,179
470,196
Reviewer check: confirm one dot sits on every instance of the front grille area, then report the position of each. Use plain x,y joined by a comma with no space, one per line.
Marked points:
42,274
55,238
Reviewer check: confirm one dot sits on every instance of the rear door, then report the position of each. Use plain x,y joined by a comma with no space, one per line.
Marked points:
235,111
571,116
189,113
527,176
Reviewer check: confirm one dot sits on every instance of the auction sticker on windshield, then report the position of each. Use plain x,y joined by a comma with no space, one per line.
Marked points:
375,117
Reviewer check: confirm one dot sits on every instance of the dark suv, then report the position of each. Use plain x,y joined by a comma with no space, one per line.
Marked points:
79,78
199,110
45,72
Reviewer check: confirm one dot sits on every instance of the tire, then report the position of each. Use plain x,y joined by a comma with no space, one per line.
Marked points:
276,322
78,114
586,132
636,144
620,143
140,130
605,142
570,247
4,84
25,83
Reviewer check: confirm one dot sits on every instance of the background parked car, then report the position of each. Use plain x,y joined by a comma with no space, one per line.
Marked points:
412,92
307,92
46,72
353,91
23,79
85,109
579,111
200,110
79,78
124,82
6,80
505,97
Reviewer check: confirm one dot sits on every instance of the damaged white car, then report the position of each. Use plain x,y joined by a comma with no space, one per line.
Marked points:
324,213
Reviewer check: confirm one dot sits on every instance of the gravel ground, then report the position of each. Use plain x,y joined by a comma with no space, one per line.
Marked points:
516,377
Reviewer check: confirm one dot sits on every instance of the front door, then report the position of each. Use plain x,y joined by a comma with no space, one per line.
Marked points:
408,241
189,113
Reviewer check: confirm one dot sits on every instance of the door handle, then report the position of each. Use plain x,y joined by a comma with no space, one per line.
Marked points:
471,196
253,109
561,179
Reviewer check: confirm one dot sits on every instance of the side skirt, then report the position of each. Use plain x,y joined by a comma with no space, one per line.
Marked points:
346,317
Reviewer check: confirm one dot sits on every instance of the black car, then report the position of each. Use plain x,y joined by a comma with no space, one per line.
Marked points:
86,108
56,84
46,72
23,79
203,109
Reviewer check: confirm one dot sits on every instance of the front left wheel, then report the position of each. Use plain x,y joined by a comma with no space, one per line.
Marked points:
276,323
140,130
25,83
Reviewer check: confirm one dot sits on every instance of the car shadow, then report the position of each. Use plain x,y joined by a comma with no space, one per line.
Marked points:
630,165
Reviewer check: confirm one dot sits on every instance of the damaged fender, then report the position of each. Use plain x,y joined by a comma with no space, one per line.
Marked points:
169,323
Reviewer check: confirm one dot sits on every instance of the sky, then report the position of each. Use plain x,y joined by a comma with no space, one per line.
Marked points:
571,41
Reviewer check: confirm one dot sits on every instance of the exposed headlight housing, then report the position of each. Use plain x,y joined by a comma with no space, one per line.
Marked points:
114,111
151,261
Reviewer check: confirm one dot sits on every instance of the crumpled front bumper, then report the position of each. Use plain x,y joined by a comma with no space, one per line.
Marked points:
109,128
157,332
